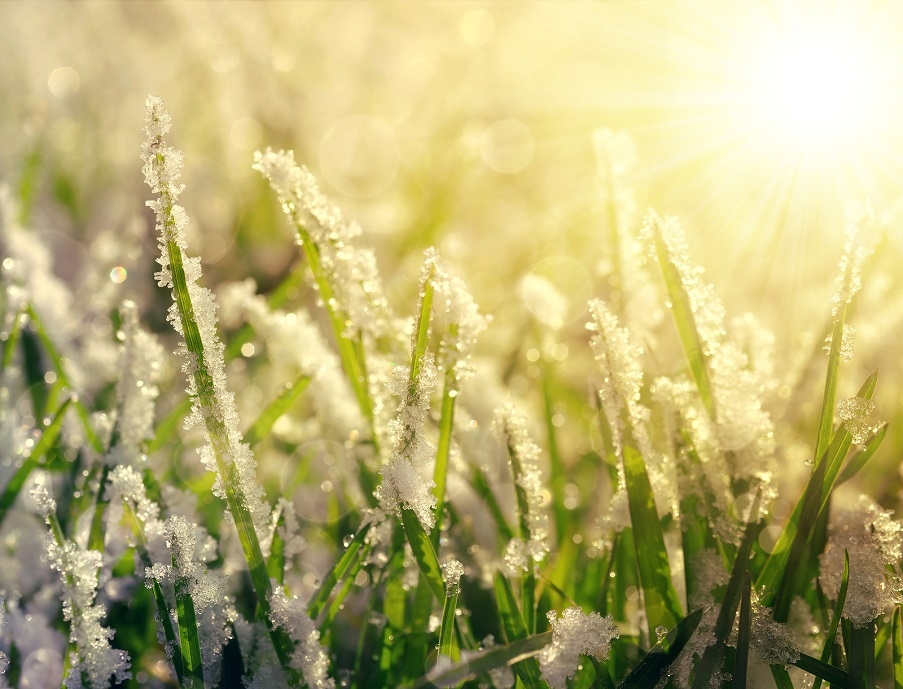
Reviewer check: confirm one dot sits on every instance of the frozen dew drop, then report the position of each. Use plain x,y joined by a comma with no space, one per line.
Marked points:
347,540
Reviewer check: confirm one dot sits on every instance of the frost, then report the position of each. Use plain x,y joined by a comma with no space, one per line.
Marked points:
856,412
861,235
92,655
329,391
523,452
452,571
403,484
140,365
709,573
873,540
309,658
772,641
846,343
573,634
742,424
455,307
351,270
212,402
622,375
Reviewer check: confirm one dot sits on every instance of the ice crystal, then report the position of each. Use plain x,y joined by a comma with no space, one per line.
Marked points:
533,546
873,540
92,655
622,375
573,634
452,571
212,402
846,343
351,270
463,322
290,613
4,660
772,641
403,483
141,363
207,589
856,412
861,235
737,387
328,391
708,311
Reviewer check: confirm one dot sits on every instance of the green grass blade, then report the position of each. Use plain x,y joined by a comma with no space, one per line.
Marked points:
512,622
188,633
163,615
682,311
835,618
423,553
774,574
860,655
14,487
63,380
781,677
742,656
713,657
275,409
509,654
38,452
839,679
649,670
448,649
897,649
557,478
443,451
662,604
480,484
96,535
826,421
276,560
862,456
350,562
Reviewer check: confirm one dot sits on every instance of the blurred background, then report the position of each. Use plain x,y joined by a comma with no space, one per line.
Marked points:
469,126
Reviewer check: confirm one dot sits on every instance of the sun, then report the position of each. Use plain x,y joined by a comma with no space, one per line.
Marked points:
815,87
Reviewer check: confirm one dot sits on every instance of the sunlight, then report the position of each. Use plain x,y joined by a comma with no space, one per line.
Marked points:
815,88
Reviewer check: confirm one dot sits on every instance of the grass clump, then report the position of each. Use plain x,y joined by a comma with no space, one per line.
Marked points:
448,556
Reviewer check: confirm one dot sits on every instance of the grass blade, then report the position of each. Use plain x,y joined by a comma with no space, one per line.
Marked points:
742,657
861,458
448,649
838,678
897,649
423,552
351,560
40,449
188,633
509,654
512,622
860,655
713,657
649,670
283,402
835,618
682,311
826,422
662,604
774,576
